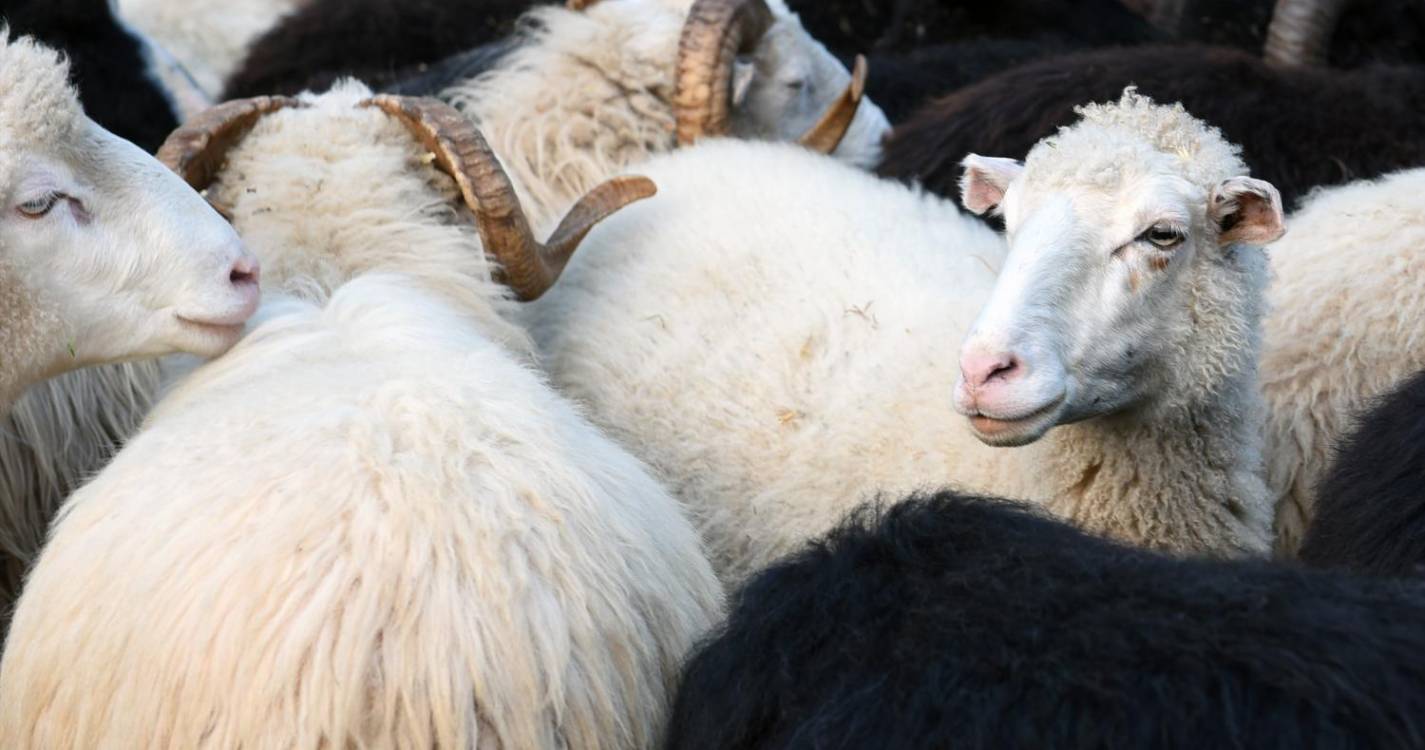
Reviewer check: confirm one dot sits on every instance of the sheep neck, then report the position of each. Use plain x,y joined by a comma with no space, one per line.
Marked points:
1185,479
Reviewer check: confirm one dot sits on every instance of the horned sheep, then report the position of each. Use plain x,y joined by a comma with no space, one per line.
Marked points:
959,621
453,558
792,359
576,153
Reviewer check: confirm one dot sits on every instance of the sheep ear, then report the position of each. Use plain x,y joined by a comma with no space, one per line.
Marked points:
985,180
1246,210
742,74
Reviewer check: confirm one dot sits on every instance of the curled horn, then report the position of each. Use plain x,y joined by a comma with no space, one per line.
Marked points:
1300,31
715,32
527,266
827,133
197,150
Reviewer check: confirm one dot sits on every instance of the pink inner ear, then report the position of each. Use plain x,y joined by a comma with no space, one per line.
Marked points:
980,193
1256,221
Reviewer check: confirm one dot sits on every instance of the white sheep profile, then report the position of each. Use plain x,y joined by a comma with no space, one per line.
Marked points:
372,523
104,254
778,335
1346,300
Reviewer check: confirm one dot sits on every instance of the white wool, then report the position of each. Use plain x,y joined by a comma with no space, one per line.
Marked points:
778,336
366,526
1347,298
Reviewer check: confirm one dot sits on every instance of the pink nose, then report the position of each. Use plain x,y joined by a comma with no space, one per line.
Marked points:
245,270
981,370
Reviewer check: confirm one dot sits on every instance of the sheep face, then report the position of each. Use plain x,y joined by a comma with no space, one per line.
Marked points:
781,91
1122,267
104,254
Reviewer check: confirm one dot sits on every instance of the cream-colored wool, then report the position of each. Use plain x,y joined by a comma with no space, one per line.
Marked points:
369,525
778,335
366,526
209,37
587,95
1347,300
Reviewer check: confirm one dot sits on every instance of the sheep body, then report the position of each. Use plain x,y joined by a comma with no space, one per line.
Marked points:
1347,295
452,558
1343,126
791,359
953,620
1368,515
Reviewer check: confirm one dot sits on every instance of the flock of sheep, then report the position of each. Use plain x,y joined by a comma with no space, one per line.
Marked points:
624,376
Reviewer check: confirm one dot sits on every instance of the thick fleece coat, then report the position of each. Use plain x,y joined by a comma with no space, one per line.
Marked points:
446,556
958,621
1346,301
780,356
397,534
1298,129
1370,509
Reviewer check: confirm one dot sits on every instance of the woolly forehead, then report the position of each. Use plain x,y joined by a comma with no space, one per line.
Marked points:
1132,137
37,104
333,154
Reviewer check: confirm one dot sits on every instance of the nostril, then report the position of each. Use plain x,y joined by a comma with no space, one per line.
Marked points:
1005,370
244,271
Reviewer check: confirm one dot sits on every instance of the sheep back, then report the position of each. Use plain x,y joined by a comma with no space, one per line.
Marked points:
959,621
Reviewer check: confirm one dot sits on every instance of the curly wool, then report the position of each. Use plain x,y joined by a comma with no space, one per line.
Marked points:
37,103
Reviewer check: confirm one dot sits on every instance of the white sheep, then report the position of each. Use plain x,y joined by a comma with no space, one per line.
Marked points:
371,524
777,335
592,90
209,38
1347,297
611,111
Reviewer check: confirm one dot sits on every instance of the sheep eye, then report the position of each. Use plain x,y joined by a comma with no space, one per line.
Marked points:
40,206
1163,236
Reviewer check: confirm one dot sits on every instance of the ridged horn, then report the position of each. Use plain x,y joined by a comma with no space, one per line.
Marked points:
1300,31
714,34
527,267
197,150
827,133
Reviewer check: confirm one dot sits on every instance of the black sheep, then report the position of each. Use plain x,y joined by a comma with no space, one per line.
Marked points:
378,41
109,64
1370,511
1299,128
957,621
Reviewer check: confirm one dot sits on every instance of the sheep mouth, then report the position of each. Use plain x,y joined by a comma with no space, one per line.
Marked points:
1017,431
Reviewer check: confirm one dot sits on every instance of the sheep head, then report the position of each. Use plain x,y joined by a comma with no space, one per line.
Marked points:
1134,277
528,267
104,255
744,70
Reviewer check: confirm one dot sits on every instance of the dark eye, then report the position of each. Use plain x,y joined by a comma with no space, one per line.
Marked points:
40,206
1162,235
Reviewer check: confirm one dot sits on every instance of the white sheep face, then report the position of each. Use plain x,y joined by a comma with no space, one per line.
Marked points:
1093,302
781,91
106,255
